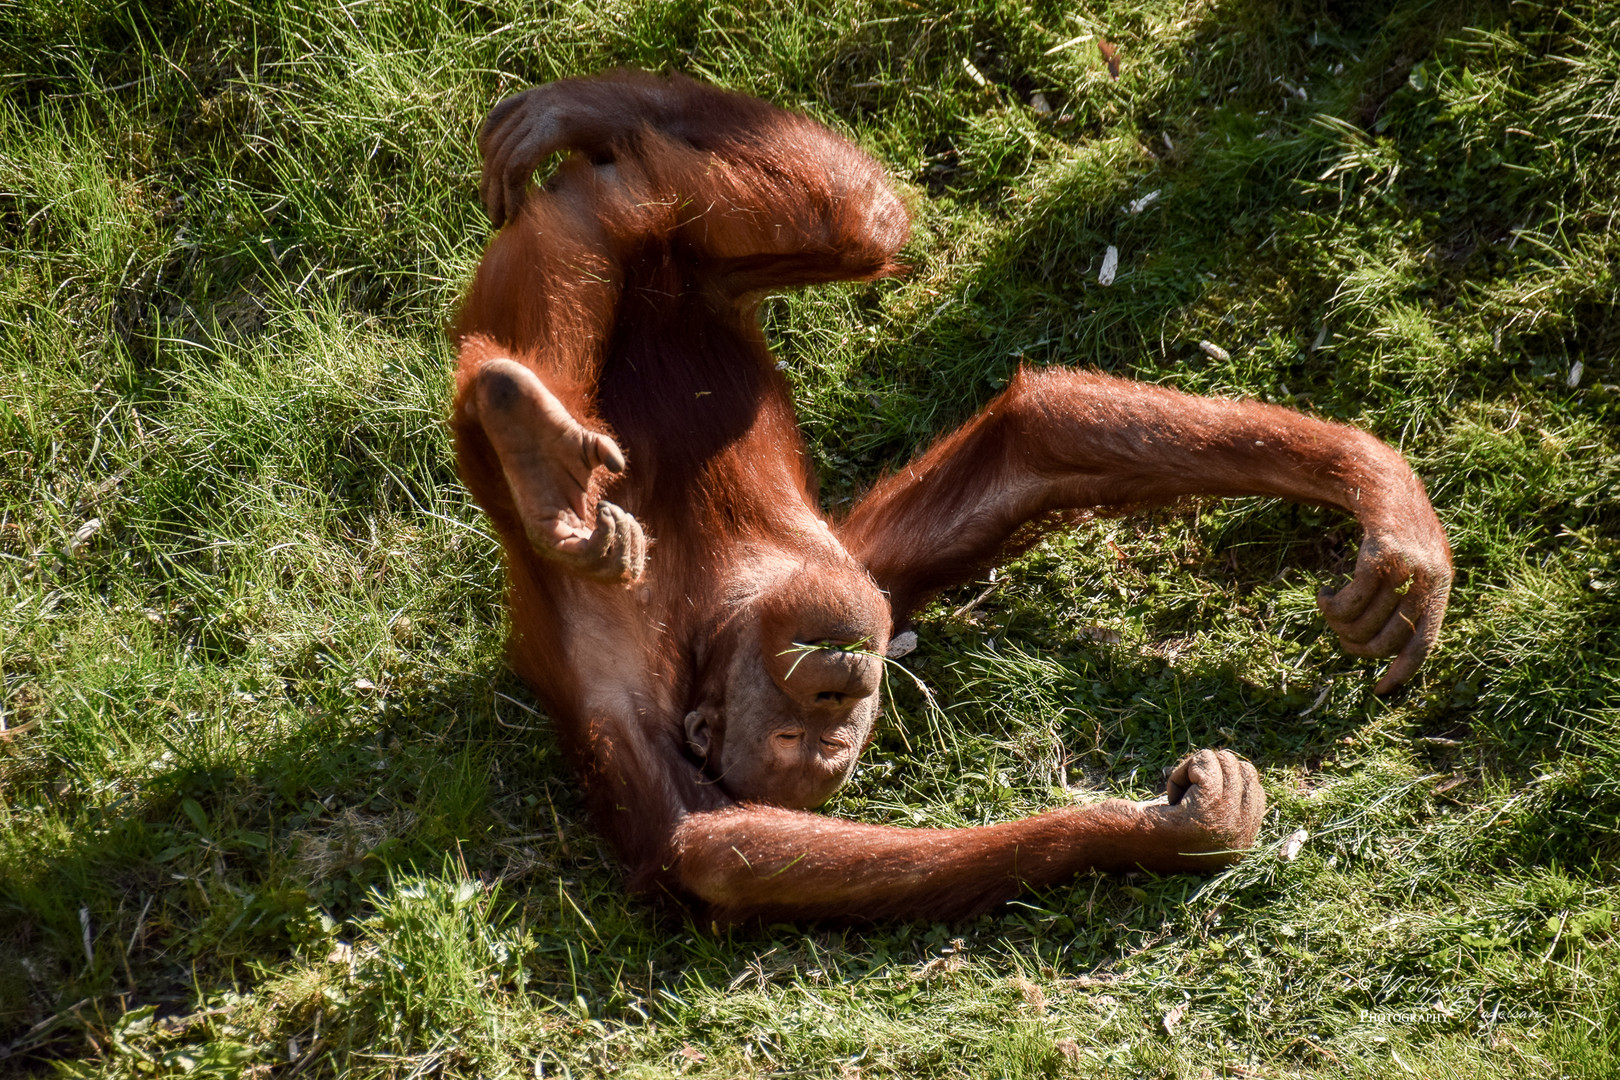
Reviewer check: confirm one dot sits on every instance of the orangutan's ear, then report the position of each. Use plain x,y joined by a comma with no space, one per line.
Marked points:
698,731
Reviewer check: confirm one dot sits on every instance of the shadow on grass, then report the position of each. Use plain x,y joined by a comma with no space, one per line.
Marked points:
221,859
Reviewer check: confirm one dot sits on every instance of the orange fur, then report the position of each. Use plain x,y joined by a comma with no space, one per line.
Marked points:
729,674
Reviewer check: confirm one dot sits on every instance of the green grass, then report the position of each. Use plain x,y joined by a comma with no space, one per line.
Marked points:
271,804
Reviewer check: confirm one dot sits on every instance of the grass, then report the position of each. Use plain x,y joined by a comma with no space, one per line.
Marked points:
271,804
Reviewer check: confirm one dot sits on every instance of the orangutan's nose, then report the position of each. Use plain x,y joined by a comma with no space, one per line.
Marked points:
826,675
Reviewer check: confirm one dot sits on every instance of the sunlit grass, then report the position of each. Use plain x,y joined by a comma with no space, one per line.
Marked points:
271,803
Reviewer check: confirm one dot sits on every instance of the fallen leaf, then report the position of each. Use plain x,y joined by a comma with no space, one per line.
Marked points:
1109,267
1173,1017
83,536
1139,205
1110,55
1291,846
902,644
